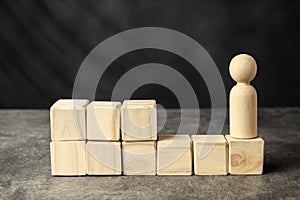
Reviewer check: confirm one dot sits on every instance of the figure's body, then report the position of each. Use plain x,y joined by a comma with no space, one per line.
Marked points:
243,98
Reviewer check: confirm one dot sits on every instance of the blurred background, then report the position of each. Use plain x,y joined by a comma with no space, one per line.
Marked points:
43,43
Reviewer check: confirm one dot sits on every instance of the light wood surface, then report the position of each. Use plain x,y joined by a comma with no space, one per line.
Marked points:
174,155
68,119
139,158
103,120
139,120
137,102
246,156
103,158
67,158
210,155
243,98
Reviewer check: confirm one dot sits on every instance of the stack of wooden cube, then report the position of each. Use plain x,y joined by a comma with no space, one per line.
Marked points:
110,138
86,137
68,134
139,135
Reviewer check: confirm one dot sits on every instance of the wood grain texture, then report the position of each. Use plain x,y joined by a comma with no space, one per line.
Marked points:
139,158
210,155
174,155
67,158
139,120
103,158
246,156
68,119
103,120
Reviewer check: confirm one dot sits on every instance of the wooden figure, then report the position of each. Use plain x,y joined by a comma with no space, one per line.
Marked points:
243,98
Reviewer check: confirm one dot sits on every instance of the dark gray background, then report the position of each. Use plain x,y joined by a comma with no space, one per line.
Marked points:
42,44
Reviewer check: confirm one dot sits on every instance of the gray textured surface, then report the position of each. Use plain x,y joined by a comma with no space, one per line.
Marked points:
25,165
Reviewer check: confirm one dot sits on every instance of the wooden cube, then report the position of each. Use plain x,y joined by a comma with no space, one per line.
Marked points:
103,158
139,120
103,120
210,155
246,156
174,155
67,158
139,158
68,119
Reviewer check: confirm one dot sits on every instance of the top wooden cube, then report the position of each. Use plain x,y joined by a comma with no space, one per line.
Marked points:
139,120
103,120
68,119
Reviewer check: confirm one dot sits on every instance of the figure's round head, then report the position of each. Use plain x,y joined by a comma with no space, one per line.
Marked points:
242,68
